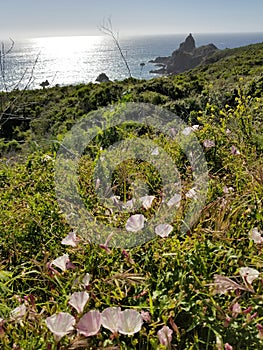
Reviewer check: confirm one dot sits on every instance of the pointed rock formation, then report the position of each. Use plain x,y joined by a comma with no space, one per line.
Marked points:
188,56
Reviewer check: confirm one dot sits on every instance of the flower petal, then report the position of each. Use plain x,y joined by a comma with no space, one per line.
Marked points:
255,236
60,324
165,336
110,318
78,300
163,230
174,200
135,223
248,274
90,323
130,322
71,239
61,262
147,201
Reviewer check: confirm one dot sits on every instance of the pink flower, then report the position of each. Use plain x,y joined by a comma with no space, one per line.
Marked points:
209,143
174,200
165,335
191,194
163,230
155,152
135,223
60,324
260,331
147,201
78,300
61,262
71,239
130,322
236,309
255,236
234,150
228,347
146,316
248,274
19,312
90,323
110,318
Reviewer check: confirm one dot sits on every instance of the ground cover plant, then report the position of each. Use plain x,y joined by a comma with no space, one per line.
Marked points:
197,290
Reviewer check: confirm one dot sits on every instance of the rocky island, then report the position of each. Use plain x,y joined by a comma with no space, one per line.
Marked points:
188,56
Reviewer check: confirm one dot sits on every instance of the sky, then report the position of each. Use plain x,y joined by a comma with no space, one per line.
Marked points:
37,18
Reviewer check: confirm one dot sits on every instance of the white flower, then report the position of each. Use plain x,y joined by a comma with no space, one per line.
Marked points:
78,300
209,143
255,235
135,223
60,324
71,239
19,312
82,283
155,152
147,201
191,193
130,322
187,131
174,200
129,204
248,274
110,318
86,279
163,230
61,262
90,323
165,336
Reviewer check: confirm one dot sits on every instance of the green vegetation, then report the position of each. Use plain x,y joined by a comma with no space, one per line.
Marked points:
175,279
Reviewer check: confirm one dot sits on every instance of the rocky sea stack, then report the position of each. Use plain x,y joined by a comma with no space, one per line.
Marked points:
188,56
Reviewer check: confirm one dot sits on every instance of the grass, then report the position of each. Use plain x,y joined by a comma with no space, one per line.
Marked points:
173,278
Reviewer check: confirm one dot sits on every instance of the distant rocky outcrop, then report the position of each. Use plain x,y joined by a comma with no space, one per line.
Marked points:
102,78
188,56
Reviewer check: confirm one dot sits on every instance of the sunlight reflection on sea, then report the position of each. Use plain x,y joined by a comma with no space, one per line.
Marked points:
80,59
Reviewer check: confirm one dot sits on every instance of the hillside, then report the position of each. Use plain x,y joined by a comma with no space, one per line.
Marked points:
203,282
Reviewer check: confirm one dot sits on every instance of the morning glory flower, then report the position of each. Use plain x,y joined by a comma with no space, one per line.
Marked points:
135,223
187,131
147,201
165,336
260,331
90,323
78,300
130,322
209,143
163,230
234,150
155,152
146,316
255,235
61,262
19,312
84,282
191,193
248,274
71,239
60,324
110,318
174,200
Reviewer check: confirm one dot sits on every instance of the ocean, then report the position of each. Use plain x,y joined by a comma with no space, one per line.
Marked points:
80,59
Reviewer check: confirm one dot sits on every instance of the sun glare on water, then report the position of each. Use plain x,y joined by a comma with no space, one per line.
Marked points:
61,46
66,57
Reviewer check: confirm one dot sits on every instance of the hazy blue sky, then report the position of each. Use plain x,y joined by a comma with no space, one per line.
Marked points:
82,17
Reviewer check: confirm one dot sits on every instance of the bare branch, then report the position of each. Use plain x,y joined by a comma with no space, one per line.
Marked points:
107,29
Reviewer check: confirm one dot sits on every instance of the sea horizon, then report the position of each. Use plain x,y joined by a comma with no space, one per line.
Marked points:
76,59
